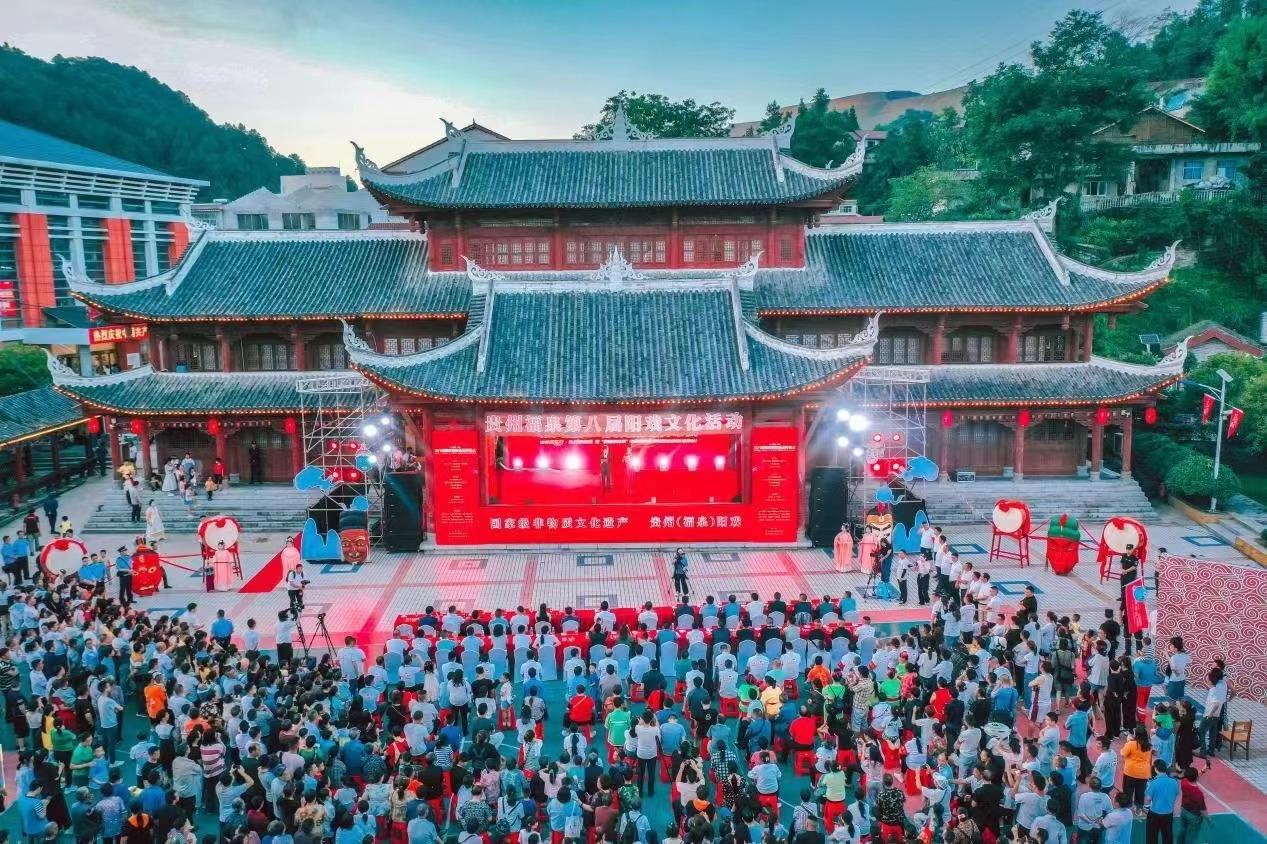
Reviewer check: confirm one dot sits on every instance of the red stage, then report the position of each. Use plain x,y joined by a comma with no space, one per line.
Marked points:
653,478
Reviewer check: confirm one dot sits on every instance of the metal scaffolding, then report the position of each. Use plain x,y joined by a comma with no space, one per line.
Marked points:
336,410
893,400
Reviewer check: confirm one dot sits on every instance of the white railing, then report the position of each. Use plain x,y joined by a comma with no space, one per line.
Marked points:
1097,203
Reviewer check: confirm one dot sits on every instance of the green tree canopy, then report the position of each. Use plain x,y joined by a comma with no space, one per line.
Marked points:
1032,127
1184,47
664,118
821,135
1235,101
22,368
125,112
773,118
923,195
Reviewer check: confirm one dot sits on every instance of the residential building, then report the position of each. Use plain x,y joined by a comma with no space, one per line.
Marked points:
317,199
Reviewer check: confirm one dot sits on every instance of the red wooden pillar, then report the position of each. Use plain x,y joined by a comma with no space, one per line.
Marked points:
1097,448
1018,468
301,350
55,451
675,241
226,351
557,257
116,444
771,241
297,448
1014,341
146,441
461,236
939,340
1088,338
19,463
222,442
1128,431
943,453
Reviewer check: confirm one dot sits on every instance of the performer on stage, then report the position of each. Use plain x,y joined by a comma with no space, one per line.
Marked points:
843,549
222,565
290,557
867,562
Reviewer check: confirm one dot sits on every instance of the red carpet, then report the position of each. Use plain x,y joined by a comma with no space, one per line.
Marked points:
267,578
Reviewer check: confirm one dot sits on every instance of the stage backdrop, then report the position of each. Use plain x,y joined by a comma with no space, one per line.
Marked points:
770,515
1220,610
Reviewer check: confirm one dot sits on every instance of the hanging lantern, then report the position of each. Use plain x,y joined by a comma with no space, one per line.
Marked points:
94,425
290,425
137,426
1150,416
1101,416
947,419
1024,417
213,426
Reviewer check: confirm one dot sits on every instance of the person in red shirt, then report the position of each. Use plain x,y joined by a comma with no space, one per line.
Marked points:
940,700
580,710
802,732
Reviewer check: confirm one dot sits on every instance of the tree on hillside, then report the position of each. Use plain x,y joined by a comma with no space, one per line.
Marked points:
923,195
1032,128
821,135
125,112
1235,101
1184,46
664,118
916,139
773,118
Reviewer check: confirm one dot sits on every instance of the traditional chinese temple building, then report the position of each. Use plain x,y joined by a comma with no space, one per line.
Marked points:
627,339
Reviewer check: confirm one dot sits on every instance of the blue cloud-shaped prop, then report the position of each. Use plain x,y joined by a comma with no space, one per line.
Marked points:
920,469
908,541
312,477
360,503
312,546
883,495
362,461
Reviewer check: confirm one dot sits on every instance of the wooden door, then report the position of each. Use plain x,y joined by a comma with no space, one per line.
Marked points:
983,447
275,446
174,442
1054,447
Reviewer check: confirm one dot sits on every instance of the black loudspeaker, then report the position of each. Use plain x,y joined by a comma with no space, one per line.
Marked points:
826,505
402,511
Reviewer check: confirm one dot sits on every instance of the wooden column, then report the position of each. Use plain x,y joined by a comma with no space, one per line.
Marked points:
428,470
1088,338
301,350
19,467
222,441
1014,341
461,236
1128,435
771,246
116,444
1018,468
226,351
939,340
557,256
55,451
1097,449
675,241
297,448
144,459
943,454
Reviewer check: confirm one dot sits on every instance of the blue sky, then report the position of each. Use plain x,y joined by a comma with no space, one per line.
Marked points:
311,75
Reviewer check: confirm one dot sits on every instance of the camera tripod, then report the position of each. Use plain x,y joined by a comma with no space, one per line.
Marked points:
868,588
320,631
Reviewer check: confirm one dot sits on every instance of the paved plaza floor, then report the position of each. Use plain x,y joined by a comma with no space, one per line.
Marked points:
364,600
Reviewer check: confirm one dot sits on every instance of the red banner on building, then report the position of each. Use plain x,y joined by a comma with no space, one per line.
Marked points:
8,298
768,513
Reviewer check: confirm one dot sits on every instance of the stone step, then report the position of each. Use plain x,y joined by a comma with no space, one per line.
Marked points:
265,508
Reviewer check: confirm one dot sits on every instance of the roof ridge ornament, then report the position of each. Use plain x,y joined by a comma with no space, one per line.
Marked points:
870,332
194,225
782,134
481,278
616,270
1045,217
1156,270
63,375
451,131
353,343
621,129
1178,356
747,271
74,278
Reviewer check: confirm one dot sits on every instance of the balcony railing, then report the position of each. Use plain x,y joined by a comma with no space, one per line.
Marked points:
1097,203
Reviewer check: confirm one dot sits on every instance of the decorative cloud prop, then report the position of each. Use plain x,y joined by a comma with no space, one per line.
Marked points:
360,503
920,469
884,495
908,540
312,477
363,462
312,546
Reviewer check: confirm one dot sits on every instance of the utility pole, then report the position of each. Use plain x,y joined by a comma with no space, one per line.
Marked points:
1225,379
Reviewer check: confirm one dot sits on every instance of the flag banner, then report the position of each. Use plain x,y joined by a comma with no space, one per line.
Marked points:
1207,408
1136,606
1234,418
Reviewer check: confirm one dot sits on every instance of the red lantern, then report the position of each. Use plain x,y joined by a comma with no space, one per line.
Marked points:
1024,417
1150,416
94,424
289,425
213,426
947,419
137,426
1101,416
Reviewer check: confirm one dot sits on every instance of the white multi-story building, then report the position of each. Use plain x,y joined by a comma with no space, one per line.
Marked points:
317,199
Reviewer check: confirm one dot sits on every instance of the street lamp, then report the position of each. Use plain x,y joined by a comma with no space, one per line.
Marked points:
1224,379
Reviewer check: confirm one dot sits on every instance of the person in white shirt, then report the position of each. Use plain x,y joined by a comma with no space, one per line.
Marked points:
285,637
251,637
648,617
351,659
295,588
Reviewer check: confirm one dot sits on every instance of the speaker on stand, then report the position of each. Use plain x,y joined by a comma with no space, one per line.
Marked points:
402,511
827,511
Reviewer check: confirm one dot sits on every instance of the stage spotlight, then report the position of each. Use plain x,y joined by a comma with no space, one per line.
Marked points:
370,430
858,423
877,437
719,463
842,415
373,459
897,438
857,452
385,421
692,462
387,448
663,462
572,462
542,462
842,442
635,462
518,463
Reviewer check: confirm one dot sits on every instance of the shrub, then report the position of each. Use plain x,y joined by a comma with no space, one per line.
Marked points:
1193,477
1155,455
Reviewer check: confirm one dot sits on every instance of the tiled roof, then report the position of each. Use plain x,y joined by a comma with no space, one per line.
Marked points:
1094,382
626,171
28,414
655,344
28,145
145,392
309,275
939,267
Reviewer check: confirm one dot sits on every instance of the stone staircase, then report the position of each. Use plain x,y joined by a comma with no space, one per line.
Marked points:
264,508
973,503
